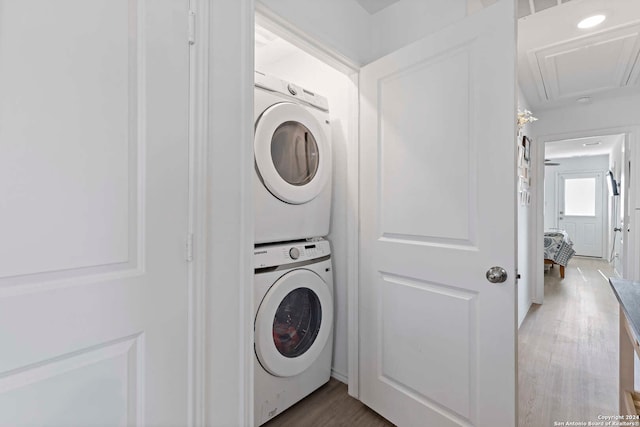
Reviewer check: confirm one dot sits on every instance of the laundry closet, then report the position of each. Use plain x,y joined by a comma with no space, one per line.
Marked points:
283,73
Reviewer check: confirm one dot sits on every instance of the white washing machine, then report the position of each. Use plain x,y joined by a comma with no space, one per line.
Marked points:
292,148
293,324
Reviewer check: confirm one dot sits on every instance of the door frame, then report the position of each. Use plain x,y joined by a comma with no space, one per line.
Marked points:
632,240
221,233
603,201
288,31
293,34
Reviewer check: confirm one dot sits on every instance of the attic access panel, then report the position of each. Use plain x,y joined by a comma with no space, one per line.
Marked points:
528,7
600,61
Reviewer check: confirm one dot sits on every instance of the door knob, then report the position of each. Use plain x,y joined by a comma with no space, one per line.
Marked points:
496,275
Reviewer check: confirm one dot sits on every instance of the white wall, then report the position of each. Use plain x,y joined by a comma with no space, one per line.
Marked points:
312,74
342,25
418,19
346,27
602,114
524,235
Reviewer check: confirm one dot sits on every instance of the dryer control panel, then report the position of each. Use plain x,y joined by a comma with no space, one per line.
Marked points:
290,89
289,253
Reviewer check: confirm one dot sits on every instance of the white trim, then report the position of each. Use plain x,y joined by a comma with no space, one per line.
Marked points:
283,28
198,187
339,376
247,213
223,391
353,240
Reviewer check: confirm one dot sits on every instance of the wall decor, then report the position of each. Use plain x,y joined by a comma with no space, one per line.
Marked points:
526,143
524,117
524,163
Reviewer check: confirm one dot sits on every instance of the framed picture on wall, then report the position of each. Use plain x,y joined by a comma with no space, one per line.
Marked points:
526,145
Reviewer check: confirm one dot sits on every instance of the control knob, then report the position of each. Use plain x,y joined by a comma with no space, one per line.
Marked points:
294,253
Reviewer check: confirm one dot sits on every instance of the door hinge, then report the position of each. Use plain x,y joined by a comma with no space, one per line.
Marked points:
189,248
192,27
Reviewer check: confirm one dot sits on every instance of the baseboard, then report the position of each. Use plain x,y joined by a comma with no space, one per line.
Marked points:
340,377
617,273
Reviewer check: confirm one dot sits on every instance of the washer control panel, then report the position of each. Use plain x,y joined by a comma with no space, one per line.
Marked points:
288,253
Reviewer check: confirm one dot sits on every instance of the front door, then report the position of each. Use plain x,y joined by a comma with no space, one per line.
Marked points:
438,210
93,212
580,210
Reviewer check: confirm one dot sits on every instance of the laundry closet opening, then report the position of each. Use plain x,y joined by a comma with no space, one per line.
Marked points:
321,102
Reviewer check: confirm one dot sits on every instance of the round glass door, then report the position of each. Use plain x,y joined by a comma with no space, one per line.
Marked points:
297,322
293,323
292,152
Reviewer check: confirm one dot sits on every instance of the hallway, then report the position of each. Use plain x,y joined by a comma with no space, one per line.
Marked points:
568,348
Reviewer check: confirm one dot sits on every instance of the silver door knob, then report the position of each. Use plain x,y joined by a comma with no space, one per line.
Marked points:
496,275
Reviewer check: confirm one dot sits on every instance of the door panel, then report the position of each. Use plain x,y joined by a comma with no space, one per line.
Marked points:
50,122
423,304
93,212
414,170
438,341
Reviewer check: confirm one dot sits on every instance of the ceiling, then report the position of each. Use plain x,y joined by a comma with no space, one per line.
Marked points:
559,63
591,146
374,6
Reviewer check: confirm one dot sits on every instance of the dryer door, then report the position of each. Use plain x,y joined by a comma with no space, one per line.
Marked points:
293,323
292,153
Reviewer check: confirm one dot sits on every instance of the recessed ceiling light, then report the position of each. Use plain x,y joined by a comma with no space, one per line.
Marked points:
591,21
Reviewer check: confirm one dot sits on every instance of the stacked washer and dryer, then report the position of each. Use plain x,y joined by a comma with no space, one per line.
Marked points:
293,282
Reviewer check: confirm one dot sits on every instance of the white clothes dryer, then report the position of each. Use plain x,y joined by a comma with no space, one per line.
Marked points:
293,326
292,148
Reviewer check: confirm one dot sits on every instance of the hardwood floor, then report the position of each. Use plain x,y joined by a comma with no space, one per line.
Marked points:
568,359
330,405
568,348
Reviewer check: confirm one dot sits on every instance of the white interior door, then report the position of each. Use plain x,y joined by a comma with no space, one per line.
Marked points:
581,212
437,339
93,212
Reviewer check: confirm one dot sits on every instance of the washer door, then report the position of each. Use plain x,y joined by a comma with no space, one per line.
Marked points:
293,323
292,154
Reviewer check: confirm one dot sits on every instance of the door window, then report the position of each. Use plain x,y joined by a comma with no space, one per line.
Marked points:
580,196
294,153
297,322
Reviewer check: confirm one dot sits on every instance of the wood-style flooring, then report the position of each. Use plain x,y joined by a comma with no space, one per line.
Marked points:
568,348
568,360
330,405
